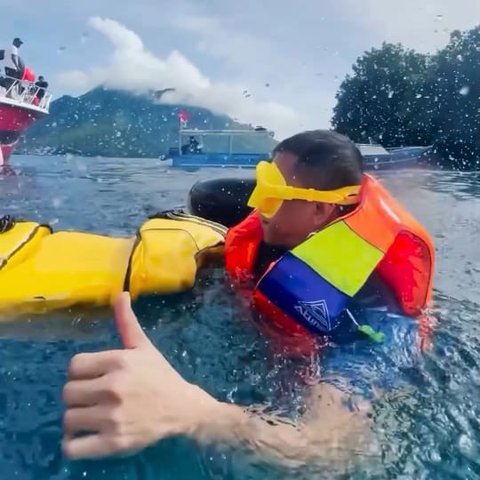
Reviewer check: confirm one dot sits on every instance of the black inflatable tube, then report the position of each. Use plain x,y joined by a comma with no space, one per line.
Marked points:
221,200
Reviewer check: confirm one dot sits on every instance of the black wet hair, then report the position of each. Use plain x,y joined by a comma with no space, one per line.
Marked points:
327,160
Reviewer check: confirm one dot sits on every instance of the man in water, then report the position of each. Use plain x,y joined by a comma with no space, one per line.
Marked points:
307,200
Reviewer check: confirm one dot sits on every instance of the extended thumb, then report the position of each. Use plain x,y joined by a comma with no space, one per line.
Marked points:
128,327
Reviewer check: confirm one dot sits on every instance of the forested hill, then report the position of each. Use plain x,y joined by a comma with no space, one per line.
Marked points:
115,123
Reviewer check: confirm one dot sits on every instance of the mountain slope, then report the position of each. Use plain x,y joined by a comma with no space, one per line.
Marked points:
116,123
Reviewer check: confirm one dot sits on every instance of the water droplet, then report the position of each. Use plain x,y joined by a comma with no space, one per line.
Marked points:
475,373
465,90
435,456
466,446
439,17
390,94
418,95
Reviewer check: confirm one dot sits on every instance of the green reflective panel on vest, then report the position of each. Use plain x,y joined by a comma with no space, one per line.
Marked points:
340,256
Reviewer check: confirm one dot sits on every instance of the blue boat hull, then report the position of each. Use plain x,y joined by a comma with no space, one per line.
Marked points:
218,160
397,158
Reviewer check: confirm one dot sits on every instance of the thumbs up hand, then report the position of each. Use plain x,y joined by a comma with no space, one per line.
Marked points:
125,400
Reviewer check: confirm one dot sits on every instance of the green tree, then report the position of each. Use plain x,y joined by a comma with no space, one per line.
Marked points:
453,107
378,102
397,97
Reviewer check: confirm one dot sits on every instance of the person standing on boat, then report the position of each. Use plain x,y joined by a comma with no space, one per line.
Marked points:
324,242
13,63
42,85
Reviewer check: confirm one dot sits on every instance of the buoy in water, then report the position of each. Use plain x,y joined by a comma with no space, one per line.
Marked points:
222,200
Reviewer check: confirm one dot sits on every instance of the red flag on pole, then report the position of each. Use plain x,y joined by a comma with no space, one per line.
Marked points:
184,116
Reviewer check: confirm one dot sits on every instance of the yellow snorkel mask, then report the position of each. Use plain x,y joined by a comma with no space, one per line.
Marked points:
272,189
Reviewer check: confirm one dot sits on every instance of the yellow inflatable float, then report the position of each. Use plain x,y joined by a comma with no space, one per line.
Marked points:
41,270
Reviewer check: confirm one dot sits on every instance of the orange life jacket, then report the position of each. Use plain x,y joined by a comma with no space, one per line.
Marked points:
309,286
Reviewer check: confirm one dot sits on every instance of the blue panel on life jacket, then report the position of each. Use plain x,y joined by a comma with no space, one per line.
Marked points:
303,294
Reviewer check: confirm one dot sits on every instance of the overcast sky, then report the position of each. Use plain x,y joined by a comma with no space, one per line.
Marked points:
289,56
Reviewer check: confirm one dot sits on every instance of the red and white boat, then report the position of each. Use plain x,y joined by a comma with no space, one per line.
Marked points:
21,103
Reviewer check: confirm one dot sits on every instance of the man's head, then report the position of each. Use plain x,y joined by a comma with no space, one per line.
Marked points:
17,42
41,79
318,159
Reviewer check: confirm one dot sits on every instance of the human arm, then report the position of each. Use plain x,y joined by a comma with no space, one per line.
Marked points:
15,58
16,61
129,399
